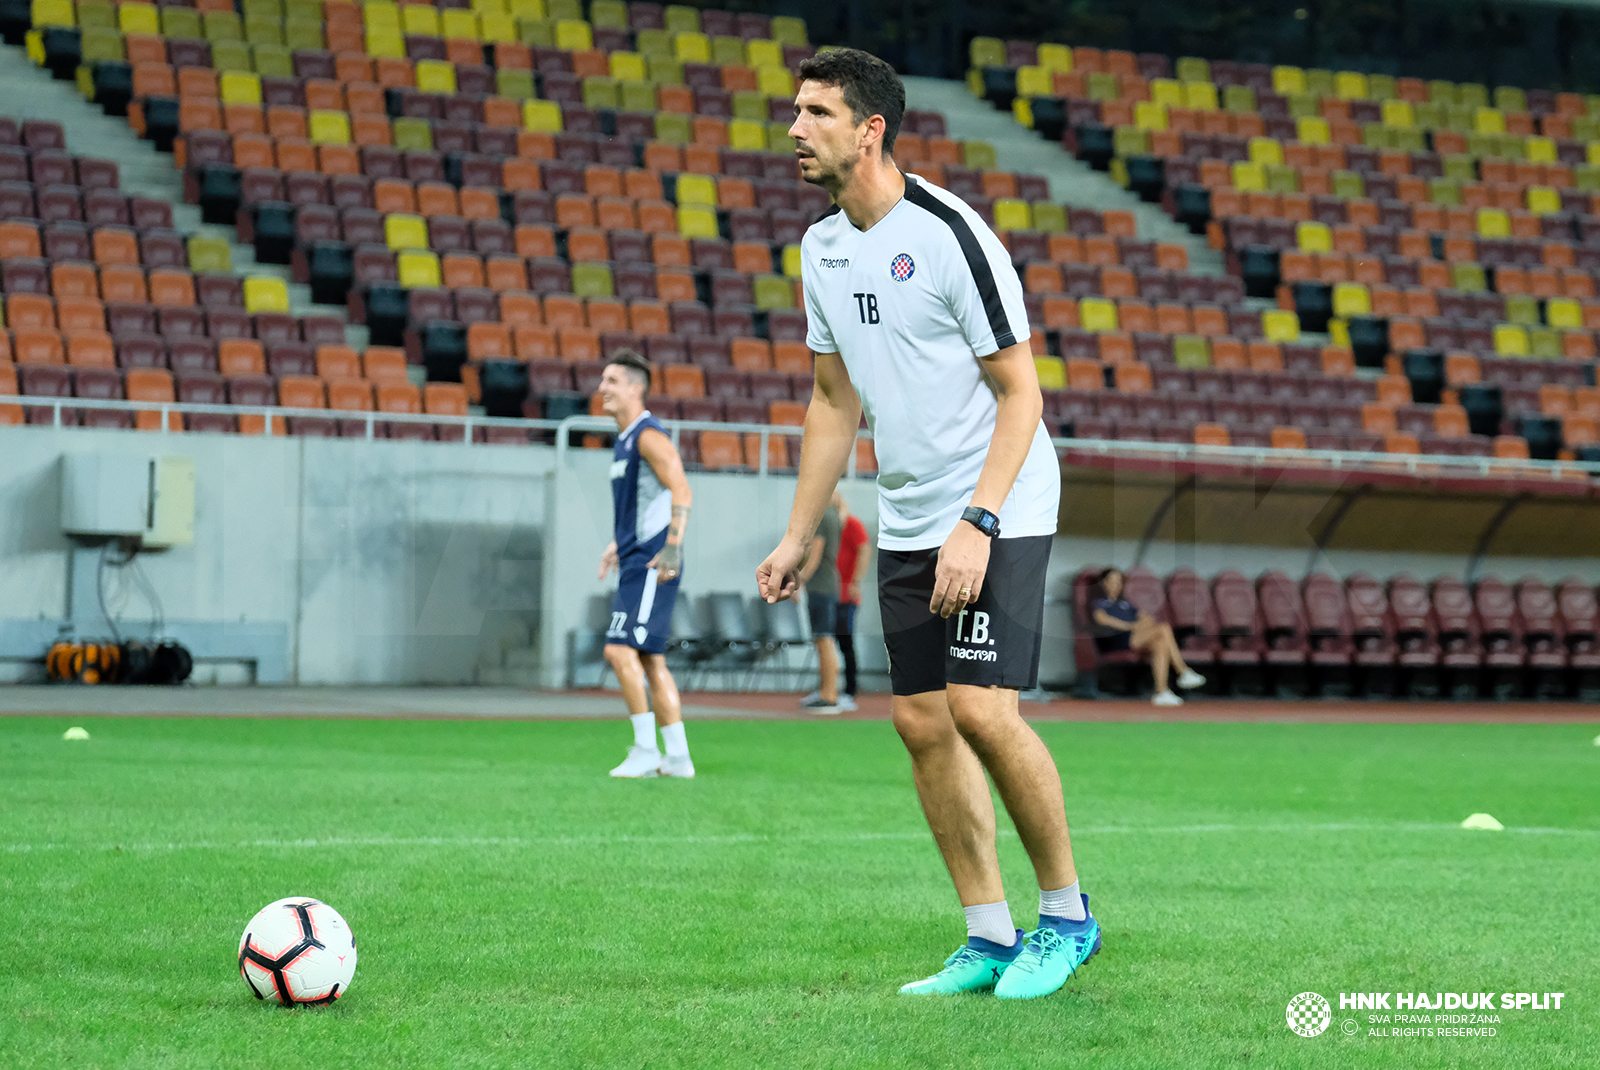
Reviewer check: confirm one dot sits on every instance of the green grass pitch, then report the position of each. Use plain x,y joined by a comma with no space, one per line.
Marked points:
514,907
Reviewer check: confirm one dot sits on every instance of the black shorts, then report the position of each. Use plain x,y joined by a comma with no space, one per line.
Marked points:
993,643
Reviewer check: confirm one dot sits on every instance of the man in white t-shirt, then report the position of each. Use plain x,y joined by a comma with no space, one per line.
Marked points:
916,320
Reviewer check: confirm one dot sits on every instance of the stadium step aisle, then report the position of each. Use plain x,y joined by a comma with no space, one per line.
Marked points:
1071,182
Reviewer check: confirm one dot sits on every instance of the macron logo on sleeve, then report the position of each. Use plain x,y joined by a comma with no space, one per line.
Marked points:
829,262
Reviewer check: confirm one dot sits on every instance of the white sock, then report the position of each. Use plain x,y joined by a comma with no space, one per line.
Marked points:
644,729
677,745
1063,903
992,922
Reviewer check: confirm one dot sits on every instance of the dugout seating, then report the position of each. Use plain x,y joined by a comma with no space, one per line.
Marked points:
1321,636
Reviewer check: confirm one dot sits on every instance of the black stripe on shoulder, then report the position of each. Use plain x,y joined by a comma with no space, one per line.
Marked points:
982,274
833,209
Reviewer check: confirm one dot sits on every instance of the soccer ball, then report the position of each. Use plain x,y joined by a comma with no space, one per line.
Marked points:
297,951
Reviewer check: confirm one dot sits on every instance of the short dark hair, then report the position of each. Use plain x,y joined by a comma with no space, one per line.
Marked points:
1106,575
635,364
869,85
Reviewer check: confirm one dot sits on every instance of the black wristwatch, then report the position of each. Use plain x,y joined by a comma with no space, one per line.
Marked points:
983,520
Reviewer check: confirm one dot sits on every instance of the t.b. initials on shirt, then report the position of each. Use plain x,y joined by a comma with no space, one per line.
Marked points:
867,305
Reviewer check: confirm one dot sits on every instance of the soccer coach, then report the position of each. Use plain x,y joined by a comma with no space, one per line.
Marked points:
915,318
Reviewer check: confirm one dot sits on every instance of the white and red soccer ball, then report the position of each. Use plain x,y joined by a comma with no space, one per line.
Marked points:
297,951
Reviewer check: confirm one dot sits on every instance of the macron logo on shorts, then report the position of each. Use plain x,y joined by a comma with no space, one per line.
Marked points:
976,635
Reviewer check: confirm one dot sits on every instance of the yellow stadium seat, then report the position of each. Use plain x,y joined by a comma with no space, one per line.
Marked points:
420,19
574,35
1200,96
1280,325
329,127
775,81
210,254
436,76
239,87
1022,111
403,231
1055,58
1543,200
1286,80
1052,372
1266,151
747,135
1097,314
1313,237
1351,299
987,52
1313,130
792,262
542,115
692,48
1540,149
418,268
456,23
1563,312
1192,69
527,9
778,139
497,27
1349,85
696,189
54,13
385,43
1012,214
628,65
697,221
1489,121
1168,91
1494,223
1398,113
1148,115
497,7
1510,340
382,14
135,17
265,293
612,14
1249,177
1034,81
788,30
763,52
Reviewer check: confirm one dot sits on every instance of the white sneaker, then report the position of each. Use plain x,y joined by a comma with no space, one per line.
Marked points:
1166,698
814,697
818,705
1191,680
846,703
678,767
640,762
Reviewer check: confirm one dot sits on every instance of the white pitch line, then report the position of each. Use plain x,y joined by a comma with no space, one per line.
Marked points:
738,838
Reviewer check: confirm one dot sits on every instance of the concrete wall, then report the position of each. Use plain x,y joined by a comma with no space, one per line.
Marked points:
381,562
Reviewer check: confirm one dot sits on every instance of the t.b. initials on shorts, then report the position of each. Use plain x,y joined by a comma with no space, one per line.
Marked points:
972,641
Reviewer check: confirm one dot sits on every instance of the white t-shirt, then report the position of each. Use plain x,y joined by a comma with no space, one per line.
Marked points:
911,305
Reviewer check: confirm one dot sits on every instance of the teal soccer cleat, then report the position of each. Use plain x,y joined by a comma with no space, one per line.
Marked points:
975,967
1054,952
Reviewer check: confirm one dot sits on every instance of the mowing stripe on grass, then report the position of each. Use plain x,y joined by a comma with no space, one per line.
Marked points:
740,838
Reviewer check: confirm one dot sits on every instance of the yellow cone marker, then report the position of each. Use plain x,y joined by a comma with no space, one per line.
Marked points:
1483,822
75,733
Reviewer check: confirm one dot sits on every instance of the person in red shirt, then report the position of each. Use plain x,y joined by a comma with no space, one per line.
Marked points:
855,558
